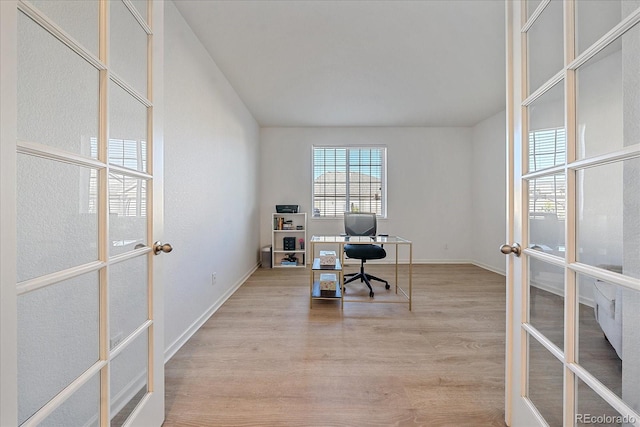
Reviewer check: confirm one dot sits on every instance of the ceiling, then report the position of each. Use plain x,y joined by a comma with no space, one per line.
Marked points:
358,63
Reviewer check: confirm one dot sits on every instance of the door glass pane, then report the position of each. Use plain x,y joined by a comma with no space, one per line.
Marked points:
608,222
127,213
55,86
547,138
600,331
128,307
545,382
81,409
609,337
127,130
545,42
51,240
129,372
547,211
594,18
141,7
546,300
592,410
129,153
58,337
128,48
532,5
77,18
603,107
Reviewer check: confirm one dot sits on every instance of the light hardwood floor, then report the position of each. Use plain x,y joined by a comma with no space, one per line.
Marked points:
266,359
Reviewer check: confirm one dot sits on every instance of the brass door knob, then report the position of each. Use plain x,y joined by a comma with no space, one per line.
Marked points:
161,247
511,249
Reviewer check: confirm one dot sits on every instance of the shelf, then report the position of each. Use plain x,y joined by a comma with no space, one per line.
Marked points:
317,294
316,266
293,236
317,273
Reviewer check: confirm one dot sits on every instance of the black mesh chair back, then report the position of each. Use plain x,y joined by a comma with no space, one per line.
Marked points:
362,224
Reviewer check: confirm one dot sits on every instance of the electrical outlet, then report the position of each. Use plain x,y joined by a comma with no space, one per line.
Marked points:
214,278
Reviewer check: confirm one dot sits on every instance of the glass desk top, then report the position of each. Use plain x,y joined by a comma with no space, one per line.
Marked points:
359,239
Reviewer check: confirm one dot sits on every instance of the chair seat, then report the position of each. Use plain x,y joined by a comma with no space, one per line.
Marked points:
365,251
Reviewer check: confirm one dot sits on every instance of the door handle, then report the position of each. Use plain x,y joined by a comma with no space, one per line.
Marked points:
161,247
511,249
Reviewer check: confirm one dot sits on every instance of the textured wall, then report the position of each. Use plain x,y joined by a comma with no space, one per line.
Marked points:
488,181
428,185
211,182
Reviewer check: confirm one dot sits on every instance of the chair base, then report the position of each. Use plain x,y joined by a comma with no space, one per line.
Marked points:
364,277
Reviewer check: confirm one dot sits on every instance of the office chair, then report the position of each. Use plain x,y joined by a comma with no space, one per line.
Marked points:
362,224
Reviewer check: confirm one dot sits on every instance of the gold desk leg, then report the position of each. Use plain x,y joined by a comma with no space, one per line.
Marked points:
311,276
396,268
410,272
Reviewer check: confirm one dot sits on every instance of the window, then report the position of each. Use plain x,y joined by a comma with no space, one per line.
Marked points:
127,194
349,179
547,148
547,194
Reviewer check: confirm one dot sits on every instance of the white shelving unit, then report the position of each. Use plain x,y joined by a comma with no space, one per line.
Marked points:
298,231
315,292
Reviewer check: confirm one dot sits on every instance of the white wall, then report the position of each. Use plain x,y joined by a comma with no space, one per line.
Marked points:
211,184
429,183
488,189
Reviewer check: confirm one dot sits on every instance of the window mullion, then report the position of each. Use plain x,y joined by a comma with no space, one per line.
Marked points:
347,202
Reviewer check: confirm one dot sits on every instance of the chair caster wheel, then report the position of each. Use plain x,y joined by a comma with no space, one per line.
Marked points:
387,286
371,294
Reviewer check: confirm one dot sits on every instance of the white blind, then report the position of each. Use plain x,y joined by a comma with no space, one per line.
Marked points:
547,148
547,194
127,195
348,179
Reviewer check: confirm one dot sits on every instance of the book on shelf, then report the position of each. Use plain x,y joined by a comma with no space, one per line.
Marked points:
279,223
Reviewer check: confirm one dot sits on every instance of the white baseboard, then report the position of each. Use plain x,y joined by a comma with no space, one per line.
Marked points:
182,339
488,267
560,292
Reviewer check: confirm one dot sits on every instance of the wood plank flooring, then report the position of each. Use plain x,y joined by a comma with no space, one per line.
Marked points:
266,359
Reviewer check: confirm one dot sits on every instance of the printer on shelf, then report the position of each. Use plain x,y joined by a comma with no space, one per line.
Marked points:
286,208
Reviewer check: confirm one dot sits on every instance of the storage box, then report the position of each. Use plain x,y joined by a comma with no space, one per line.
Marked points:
289,243
328,282
327,259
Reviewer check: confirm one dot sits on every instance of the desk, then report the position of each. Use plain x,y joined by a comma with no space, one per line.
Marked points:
340,241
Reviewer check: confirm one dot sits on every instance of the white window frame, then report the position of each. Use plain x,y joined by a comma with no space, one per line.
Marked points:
350,199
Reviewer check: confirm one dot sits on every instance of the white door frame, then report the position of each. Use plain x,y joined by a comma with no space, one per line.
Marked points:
510,214
516,411
151,410
518,408
8,261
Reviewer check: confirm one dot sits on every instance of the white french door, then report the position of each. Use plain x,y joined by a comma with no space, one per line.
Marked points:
573,108
82,327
